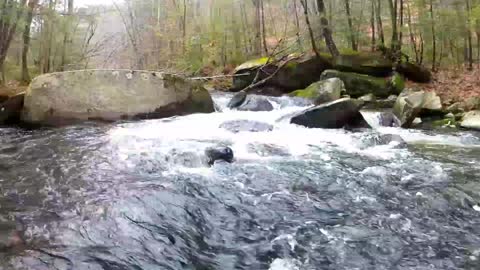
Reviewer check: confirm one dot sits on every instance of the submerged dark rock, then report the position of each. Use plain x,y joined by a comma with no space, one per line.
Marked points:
236,126
256,104
237,100
243,102
392,139
341,113
219,154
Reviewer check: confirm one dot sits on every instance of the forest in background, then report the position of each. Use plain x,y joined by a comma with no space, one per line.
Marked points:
205,37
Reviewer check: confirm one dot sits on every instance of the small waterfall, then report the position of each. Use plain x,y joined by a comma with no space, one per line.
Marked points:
373,118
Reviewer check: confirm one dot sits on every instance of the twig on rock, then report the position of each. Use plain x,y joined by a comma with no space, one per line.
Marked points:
255,84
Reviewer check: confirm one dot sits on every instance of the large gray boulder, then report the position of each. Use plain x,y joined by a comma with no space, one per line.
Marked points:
322,91
60,98
341,113
410,105
471,120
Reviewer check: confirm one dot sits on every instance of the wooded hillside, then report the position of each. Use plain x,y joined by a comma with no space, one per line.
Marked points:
213,36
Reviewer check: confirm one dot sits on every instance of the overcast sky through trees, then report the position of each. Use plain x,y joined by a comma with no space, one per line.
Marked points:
94,2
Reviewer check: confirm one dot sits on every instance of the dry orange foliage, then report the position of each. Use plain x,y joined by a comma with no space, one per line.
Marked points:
453,85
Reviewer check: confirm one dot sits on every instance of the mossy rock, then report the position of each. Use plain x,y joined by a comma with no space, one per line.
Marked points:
376,64
322,91
297,74
252,64
200,100
373,64
358,85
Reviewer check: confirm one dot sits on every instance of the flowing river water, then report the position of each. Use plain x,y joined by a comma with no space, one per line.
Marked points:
139,195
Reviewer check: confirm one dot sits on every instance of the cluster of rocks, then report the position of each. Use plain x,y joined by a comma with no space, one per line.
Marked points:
340,88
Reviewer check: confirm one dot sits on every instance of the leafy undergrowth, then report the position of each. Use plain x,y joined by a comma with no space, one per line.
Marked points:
453,85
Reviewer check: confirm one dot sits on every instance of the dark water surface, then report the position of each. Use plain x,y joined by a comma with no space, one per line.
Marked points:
140,196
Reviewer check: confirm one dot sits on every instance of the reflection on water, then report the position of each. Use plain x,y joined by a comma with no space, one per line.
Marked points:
140,196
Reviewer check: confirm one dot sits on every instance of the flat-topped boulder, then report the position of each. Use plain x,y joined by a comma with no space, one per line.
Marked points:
63,97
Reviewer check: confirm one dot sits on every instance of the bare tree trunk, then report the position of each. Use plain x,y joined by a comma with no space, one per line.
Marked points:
393,14
469,37
353,43
422,48
25,76
434,37
400,30
297,25
264,38
47,38
131,29
372,27
412,35
258,29
309,26
184,26
478,43
8,27
379,22
326,31
66,38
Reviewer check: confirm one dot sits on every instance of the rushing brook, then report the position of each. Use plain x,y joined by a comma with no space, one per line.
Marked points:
139,195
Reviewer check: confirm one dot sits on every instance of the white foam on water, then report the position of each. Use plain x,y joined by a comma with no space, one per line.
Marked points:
292,242
194,133
285,264
376,171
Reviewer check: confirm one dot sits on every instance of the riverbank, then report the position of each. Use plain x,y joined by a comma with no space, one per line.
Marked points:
452,85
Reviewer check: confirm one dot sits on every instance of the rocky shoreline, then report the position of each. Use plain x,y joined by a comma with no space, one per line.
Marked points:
367,79
357,83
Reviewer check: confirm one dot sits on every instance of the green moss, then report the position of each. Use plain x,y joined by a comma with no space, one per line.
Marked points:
447,122
398,82
348,51
251,64
309,92
326,56
291,65
358,85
